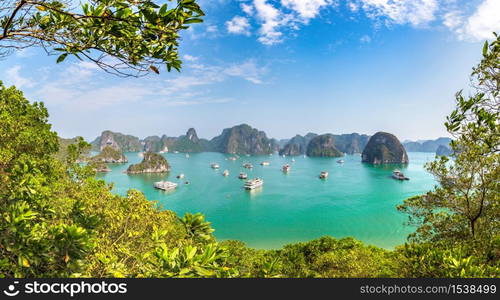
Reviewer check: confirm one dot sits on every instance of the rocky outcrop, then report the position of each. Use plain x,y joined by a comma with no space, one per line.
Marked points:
152,163
351,143
384,148
152,144
444,151
109,155
117,141
297,145
187,143
242,139
99,166
427,145
324,146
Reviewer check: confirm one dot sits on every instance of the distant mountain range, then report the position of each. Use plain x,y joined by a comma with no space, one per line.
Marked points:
427,145
243,139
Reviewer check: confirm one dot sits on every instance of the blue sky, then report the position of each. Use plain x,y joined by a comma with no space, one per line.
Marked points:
284,66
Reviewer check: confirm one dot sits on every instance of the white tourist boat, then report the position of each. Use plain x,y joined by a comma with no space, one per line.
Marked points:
214,166
397,174
253,183
243,176
165,185
265,163
340,161
247,165
323,175
232,158
187,155
286,168
225,173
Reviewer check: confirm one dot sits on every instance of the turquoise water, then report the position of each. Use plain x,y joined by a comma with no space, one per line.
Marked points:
356,200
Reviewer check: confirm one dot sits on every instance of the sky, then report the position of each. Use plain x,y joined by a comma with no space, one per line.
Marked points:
286,67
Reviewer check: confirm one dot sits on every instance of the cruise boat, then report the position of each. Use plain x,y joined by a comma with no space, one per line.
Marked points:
232,158
180,176
225,173
265,163
340,161
247,165
165,185
323,175
253,183
293,159
187,155
286,168
176,152
397,174
243,176
214,166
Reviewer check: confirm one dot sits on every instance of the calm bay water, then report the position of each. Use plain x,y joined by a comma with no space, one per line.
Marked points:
356,200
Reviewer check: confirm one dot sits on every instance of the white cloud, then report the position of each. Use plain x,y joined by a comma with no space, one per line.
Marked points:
271,19
365,39
14,76
248,71
238,25
480,25
413,12
247,8
306,9
188,57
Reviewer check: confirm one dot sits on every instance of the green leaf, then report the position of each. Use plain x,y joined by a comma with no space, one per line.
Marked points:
62,57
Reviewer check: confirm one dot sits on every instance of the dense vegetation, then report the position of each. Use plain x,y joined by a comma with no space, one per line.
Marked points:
58,220
151,163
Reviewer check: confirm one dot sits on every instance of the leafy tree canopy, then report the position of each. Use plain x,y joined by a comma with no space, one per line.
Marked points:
123,37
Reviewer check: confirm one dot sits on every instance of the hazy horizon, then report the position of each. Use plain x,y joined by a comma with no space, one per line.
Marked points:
283,67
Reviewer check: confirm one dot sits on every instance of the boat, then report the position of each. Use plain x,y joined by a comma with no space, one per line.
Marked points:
286,168
165,185
243,176
397,174
265,163
323,175
247,165
180,176
340,161
283,155
140,154
176,152
214,166
232,158
253,183
225,173
293,159
187,155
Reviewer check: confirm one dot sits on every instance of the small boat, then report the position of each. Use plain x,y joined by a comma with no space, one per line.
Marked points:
187,182
140,154
304,156
214,166
265,163
286,168
323,175
187,155
293,159
243,176
225,173
232,158
283,155
253,183
340,161
397,174
180,176
165,185
247,165
176,152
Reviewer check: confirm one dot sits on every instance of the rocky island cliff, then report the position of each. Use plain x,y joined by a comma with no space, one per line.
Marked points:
152,163
384,148
117,141
110,155
242,139
323,146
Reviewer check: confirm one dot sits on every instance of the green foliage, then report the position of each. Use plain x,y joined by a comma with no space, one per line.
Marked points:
109,155
463,211
197,228
124,37
435,260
